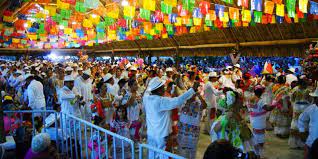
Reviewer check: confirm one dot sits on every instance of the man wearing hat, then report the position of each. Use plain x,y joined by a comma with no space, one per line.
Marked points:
84,86
310,115
226,79
210,94
69,98
75,70
34,92
169,73
68,71
157,110
237,73
290,77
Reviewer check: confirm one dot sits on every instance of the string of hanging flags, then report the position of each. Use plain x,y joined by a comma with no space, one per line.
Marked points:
78,23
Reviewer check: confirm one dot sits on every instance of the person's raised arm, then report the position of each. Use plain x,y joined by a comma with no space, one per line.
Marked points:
167,103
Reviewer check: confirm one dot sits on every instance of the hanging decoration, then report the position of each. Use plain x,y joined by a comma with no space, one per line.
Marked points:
77,23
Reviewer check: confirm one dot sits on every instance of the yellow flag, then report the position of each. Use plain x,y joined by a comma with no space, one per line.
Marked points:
225,18
246,15
87,23
296,19
149,4
129,11
303,5
225,25
280,10
62,5
95,19
273,19
51,10
192,30
32,37
159,26
68,31
211,15
197,21
172,3
179,21
165,36
15,40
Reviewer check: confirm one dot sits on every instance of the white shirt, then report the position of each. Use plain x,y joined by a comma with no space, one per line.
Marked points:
74,74
210,94
133,110
67,97
35,95
226,82
158,108
84,88
309,115
290,78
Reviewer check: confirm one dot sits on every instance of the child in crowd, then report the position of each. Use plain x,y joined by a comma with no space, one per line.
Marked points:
120,125
131,102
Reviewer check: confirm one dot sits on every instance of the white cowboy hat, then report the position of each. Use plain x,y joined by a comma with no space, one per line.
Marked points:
87,72
213,74
68,69
237,65
155,83
128,65
68,78
291,70
133,68
229,67
169,69
107,77
315,93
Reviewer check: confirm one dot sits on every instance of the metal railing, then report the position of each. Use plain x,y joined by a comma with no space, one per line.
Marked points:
86,140
155,153
76,138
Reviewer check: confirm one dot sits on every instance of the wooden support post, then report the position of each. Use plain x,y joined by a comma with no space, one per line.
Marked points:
113,56
149,58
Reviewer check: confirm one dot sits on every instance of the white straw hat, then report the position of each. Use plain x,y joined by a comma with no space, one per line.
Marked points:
68,78
87,72
68,69
213,74
155,83
169,69
107,77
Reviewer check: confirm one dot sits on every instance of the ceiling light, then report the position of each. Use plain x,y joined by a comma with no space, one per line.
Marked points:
124,3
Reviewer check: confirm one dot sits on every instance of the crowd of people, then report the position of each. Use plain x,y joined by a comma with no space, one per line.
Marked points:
238,103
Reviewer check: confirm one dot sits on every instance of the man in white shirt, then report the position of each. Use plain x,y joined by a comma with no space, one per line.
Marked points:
35,93
210,96
75,71
310,115
226,80
290,77
158,112
84,86
69,98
